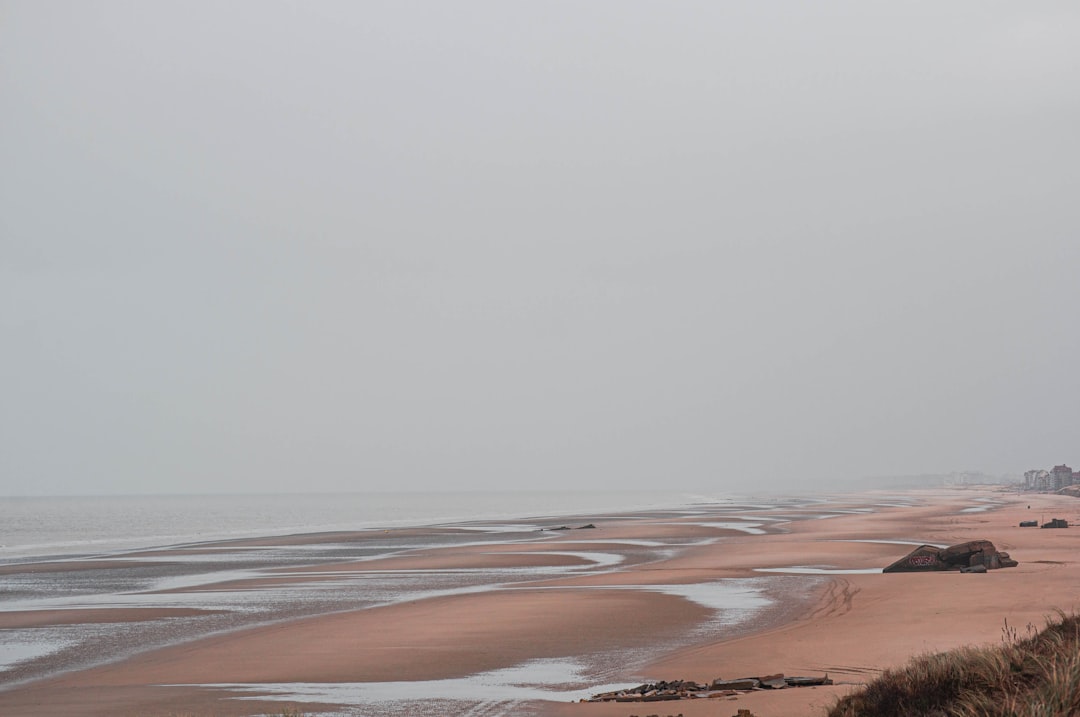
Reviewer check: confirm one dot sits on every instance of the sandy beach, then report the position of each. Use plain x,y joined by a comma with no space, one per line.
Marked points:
718,591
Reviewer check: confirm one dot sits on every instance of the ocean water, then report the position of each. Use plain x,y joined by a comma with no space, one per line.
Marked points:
36,527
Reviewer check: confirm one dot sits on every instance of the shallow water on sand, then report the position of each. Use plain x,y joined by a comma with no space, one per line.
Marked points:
493,692
222,582
504,692
233,585
56,526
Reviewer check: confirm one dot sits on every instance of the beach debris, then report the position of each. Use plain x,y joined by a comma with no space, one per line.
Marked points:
587,526
808,681
1029,524
651,692
1056,523
929,558
687,690
773,682
747,683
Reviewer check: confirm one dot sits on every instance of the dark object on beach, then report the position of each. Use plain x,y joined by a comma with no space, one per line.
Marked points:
1029,524
1056,523
685,690
652,692
746,683
566,527
974,569
808,681
587,526
928,558
773,682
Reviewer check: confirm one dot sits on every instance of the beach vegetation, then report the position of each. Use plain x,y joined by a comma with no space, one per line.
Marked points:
1031,673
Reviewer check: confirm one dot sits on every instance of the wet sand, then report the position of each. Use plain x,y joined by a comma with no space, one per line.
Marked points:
634,599
862,624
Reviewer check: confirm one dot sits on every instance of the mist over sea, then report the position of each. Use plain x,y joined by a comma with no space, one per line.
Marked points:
37,527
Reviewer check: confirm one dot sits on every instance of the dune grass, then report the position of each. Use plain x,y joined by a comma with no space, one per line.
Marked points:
1036,674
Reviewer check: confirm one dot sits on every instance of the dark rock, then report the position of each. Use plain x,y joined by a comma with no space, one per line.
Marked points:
773,682
808,681
670,690
746,683
963,555
587,526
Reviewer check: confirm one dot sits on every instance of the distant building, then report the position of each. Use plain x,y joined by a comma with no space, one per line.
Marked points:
1060,477
1037,479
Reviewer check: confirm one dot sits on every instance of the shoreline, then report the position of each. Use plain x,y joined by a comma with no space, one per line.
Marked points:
75,527
650,614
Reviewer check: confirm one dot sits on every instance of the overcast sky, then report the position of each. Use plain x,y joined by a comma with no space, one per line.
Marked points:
280,246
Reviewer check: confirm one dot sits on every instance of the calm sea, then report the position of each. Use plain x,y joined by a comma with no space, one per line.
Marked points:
67,526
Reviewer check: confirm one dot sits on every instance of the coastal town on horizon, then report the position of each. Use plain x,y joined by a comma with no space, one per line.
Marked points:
1059,478
1041,480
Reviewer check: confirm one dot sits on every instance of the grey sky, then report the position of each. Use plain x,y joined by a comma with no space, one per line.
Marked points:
355,246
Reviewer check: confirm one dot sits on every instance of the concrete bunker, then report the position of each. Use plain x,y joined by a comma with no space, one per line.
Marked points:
972,556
